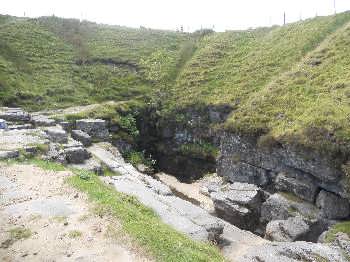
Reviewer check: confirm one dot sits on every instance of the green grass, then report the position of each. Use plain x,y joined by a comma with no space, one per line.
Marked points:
343,227
74,234
160,240
16,233
51,62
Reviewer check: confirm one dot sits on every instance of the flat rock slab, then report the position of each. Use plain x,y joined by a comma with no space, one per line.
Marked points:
19,139
182,215
52,207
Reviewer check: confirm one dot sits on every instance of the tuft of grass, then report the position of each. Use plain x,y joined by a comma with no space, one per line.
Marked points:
19,233
75,234
200,150
16,234
159,239
343,227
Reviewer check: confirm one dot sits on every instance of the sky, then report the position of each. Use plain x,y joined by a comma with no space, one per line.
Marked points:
220,15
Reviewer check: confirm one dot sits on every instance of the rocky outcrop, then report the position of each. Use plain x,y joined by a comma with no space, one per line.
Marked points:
41,120
332,206
289,230
239,204
81,136
14,114
56,134
179,213
293,252
96,128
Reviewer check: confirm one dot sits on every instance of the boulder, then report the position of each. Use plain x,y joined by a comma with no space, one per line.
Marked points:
96,128
276,207
3,124
280,206
15,114
76,155
41,120
9,154
81,136
57,135
294,228
298,184
238,204
332,206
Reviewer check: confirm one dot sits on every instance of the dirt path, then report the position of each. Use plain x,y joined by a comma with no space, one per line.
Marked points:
43,219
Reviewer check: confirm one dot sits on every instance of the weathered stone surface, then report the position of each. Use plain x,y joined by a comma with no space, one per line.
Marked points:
14,114
81,136
9,154
20,127
242,172
57,135
96,128
292,252
19,139
278,207
289,230
41,120
332,206
90,164
76,155
66,125
3,124
343,241
237,153
302,186
239,204
179,213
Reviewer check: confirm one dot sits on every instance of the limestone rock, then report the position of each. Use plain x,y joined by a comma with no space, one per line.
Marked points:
276,207
76,155
332,206
65,125
41,120
343,241
14,114
96,128
57,135
20,127
238,204
9,154
286,230
302,186
3,124
81,136
293,252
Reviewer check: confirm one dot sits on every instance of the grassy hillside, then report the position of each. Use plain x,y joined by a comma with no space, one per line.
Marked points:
229,67
288,83
52,62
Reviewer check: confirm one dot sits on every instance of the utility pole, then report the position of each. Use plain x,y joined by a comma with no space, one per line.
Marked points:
335,10
284,18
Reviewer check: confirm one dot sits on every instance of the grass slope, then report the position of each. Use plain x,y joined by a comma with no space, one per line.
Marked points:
52,62
229,67
310,103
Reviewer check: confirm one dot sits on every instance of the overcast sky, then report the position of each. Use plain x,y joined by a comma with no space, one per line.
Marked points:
171,14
